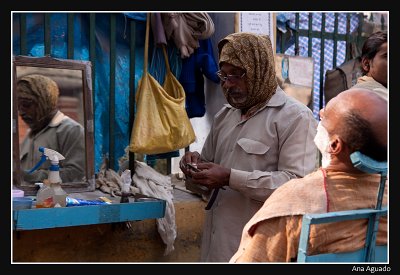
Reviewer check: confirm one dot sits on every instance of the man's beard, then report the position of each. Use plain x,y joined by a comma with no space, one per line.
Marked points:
322,141
38,124
236,98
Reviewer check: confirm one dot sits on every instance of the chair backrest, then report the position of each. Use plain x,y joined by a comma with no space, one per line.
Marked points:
370,252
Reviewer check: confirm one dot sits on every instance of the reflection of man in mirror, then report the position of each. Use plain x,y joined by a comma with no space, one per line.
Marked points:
37,105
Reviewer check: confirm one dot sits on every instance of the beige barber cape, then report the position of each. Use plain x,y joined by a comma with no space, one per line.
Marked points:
273,234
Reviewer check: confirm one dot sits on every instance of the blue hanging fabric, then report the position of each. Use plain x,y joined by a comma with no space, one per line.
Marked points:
201,63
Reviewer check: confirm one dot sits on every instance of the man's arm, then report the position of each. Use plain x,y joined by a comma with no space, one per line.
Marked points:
71,138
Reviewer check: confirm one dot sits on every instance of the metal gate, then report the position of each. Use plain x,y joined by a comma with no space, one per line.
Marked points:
330,38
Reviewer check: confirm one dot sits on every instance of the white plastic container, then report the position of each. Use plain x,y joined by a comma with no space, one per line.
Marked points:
44,196
50,195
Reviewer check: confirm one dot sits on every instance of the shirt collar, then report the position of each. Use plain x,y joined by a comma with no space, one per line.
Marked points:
56,120
278,99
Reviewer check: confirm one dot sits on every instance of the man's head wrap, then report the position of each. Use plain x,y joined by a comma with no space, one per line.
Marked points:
41,90
252,53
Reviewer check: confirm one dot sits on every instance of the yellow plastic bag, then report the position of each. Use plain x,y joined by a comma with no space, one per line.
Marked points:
161,123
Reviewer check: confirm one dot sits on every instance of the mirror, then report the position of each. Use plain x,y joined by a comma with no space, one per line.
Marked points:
73,78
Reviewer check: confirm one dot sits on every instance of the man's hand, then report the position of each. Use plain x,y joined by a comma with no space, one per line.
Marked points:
211,175
189,157
36,176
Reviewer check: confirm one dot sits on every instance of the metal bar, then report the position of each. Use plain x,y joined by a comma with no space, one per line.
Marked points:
70,20
112,88
47,34
357,256
322,62
310,34
345,215
370,240
169,166
22,34
296,41
303,241
92,58
380,192
317,34
347,36
92,52
335,39
359,31
132,90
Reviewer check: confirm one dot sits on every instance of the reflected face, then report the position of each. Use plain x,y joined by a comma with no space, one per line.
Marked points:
27,110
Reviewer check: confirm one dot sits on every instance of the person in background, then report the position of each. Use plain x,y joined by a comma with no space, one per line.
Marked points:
354,120
374,64
37,97
257,142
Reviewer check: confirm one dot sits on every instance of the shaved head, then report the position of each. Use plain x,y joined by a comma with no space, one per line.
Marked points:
359,117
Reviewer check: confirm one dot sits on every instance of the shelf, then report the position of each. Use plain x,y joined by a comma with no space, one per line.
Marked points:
41,218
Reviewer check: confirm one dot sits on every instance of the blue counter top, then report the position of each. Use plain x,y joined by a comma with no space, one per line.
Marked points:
41,218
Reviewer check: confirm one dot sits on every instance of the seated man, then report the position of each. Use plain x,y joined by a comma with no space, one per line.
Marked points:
352,121
48,127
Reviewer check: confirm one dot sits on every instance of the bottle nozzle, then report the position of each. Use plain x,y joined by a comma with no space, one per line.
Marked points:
40,184
50,154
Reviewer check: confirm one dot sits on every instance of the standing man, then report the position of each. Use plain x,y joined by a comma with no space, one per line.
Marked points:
257,142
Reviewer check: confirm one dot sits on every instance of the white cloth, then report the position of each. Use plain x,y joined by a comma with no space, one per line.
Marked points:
153,184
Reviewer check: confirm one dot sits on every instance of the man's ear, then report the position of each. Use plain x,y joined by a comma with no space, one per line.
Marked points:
335,146
365,64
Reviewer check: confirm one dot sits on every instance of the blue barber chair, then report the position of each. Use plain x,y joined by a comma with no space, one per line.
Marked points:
370,252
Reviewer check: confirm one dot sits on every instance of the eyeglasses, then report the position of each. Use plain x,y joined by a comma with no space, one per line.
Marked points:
231,77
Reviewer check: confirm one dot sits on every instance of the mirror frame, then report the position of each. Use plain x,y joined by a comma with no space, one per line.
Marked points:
49,62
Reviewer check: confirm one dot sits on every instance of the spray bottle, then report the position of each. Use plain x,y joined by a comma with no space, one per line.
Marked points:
50,194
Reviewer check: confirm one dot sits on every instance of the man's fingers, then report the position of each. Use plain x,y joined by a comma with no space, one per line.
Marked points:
204,165
199,175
